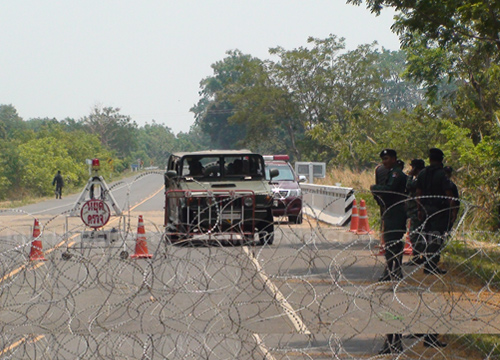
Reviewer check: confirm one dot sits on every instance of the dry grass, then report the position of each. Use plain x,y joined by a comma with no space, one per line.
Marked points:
361,181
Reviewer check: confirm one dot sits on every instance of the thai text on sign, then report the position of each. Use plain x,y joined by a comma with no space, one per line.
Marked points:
95,213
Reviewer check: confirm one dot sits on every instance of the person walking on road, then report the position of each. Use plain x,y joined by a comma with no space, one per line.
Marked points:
415,230
59,183
435,199
392,194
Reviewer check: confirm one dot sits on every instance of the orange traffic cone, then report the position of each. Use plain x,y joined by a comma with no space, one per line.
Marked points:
36,252
141,246
363,226
408,250
354,217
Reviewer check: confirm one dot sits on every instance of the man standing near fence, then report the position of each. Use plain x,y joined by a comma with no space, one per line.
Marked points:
392,194
435,198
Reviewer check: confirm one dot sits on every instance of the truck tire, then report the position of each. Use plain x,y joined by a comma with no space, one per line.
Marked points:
295,219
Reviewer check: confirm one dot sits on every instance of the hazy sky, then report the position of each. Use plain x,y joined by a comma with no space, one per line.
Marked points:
59,59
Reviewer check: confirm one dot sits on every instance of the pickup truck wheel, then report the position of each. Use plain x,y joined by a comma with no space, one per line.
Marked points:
295,219
266,237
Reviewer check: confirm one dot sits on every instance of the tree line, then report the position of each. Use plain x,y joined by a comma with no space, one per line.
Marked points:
35,149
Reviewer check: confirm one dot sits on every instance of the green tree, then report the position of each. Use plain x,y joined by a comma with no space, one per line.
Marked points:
309,76
344,96
214,108
271,117
40,159
478,165
397,92
445,21
455,42
10,122
461,79
194,140
116,131
156,142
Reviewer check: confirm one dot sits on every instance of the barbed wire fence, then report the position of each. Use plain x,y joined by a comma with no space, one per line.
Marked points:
313,294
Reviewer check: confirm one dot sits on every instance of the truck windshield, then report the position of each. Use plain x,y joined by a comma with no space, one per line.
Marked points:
217,167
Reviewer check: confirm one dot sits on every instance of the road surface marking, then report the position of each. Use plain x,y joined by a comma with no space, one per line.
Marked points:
289,311
263,349
19,342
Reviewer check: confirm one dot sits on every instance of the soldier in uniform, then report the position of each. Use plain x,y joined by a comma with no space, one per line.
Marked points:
392,194
415,230
434,198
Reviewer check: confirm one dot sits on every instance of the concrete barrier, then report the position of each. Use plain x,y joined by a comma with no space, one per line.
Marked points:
331,204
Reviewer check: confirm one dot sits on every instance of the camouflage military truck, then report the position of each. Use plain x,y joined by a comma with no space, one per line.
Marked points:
218,194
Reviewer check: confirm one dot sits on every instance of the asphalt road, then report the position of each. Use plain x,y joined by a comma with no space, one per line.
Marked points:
312,294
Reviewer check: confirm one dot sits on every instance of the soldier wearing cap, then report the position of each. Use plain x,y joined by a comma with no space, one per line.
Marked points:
392,195
434,199
415,230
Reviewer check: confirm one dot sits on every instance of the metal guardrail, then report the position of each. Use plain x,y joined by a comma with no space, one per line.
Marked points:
330,204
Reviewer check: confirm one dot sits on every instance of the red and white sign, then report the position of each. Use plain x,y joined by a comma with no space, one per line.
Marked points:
95,213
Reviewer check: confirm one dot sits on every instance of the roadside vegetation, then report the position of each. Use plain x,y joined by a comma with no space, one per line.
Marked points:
482,345
35,149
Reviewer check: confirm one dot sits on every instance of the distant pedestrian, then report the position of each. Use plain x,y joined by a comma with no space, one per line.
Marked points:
59,183
415,226
392,195
434,198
